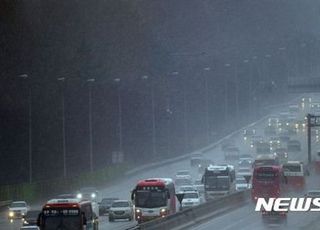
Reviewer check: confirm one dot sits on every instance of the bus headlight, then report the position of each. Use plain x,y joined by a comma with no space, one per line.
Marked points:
79,196
93,195
163,212
11,214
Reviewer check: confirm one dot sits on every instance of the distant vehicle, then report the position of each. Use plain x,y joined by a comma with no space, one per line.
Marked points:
30,218
218,180
241,184
205,163
196,159
275,143
88,193
105,205
282,154
30,227
266,159
191,199
248,133
244,172
262,147
182,181
68,214
294,146
313,194
274,218
187,188
199,186
270,130
267,181
294,173
121,209
254,140
245,163
183,174
226,143
273,121
17,210
231,153
67,196
154,198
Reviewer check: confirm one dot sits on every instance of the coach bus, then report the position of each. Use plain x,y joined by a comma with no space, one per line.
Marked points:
154,198
69,214
267,182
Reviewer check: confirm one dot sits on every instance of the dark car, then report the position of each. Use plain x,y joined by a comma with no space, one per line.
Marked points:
105,205
274,218
30,218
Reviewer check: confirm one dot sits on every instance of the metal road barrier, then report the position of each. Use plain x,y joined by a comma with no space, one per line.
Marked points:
193,216
4,204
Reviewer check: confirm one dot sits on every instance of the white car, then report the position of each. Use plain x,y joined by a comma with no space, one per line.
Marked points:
18,209
121,209
199,186
183,174
191,199
241,184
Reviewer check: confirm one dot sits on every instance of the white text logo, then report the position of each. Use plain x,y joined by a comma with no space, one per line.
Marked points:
304,204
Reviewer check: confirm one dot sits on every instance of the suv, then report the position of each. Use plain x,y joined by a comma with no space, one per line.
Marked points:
18,209
190,199
121,209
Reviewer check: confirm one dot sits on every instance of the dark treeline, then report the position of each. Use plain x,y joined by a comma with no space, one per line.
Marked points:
171,42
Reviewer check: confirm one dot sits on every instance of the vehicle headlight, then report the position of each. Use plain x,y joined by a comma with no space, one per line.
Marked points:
138,211
79,196
93,195
245,138
11,214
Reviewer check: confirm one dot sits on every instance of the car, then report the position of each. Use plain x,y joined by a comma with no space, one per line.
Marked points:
245,163
274,218
183,174
313,193
18,209
294,146
248,133
105,205
186,188
244,172
247,157
282,154
242,184
191,199
30,218
274,142
88,193
183,181
121,209
196,159
199,186
30,227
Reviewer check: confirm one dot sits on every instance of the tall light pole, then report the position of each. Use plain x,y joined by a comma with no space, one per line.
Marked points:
226,108
207,69
118,80
154,149
90,81
62,79
25,76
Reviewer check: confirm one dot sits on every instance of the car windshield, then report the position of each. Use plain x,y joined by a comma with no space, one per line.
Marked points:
240,181
33,214
183,173
217,182
244,171
190,196
292,168
186,188
118,204
150,199
108,201
18,205
197,182
88,190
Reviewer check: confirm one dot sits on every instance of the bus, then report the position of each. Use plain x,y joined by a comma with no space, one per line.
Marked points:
218,180
294,174
267,182
68,214
154,198
266,159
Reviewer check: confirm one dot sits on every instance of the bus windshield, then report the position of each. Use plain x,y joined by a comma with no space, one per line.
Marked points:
292,168
266,176
150,199
218,182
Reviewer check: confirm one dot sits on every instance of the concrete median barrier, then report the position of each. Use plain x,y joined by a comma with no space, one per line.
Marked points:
192,216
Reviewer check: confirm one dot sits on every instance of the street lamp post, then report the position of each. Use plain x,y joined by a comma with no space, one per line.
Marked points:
62,79
207,69
226,109
154,150
118,80
25,76
90,81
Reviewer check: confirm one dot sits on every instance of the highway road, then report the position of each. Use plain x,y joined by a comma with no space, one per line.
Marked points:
242,218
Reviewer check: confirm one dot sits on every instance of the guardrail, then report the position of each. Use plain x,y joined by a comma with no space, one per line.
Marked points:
4,204
193,216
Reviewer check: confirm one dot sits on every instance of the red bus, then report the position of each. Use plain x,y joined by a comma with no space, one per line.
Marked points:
294,175
154,198
266,182
71,214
